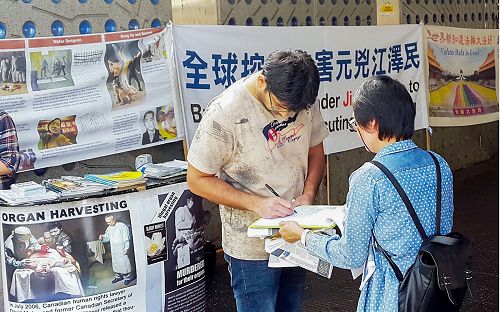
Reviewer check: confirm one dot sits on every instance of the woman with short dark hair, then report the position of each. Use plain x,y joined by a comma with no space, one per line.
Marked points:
384,115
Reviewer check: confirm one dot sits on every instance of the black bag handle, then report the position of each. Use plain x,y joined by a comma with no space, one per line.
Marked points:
410,209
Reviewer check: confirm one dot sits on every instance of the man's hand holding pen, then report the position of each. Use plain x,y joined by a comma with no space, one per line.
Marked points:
273,207
283,207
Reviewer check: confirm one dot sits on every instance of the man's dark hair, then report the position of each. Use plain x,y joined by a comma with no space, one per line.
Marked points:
292,76
146,113
53,225
386,101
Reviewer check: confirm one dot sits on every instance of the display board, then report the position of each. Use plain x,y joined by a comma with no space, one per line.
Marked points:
211,58
140,251
463,75
80,97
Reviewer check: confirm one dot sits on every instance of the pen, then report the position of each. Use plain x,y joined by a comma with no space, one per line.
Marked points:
276,194
272,190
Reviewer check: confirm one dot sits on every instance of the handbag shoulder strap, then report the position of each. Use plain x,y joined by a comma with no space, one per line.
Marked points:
397,271
438,193
411,210
404,197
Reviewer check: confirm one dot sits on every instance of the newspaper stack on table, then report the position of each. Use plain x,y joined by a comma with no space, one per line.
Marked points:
30,188
164,170
27,193
282,254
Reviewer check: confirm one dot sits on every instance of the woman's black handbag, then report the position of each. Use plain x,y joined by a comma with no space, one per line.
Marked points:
439,277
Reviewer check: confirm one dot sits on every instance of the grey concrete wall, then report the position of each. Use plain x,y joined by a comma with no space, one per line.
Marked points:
14,13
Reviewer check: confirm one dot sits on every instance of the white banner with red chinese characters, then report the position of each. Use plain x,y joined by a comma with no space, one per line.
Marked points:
211,58
463,75
79,97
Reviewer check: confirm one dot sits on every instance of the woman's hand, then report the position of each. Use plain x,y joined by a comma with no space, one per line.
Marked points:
290,231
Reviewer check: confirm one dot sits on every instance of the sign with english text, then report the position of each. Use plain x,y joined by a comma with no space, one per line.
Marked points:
211,58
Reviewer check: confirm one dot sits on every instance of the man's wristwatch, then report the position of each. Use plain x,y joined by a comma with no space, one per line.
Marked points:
303,236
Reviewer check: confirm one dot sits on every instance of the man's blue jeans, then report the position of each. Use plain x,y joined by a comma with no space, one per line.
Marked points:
259,288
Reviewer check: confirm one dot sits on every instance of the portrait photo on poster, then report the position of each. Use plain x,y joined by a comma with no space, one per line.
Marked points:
51,70
70,258
125,83
12,73
57,132
151,132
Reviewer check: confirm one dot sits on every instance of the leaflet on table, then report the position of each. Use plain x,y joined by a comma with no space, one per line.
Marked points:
296,255
81,97
308,216
116,253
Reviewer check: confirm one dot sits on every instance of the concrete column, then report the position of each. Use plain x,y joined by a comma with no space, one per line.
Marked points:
191,12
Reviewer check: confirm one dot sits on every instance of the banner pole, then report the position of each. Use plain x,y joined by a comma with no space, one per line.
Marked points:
185,148
428,139
327,180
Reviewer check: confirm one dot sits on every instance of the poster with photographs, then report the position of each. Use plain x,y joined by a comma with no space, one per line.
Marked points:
463,75
185,266
80,97
115,253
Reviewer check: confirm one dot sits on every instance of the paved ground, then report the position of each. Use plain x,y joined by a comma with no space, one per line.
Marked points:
476,216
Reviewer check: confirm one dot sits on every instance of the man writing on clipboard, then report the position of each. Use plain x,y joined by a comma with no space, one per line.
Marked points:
264,129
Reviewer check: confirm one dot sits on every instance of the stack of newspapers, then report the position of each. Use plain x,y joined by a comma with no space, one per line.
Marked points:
164,170
72,186
319,218
118,180
27,193
29,188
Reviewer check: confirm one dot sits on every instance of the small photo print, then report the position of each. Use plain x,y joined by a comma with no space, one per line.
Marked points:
125,82
12,73
154,48
165,120
155,241
151,127
57,132
51,70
